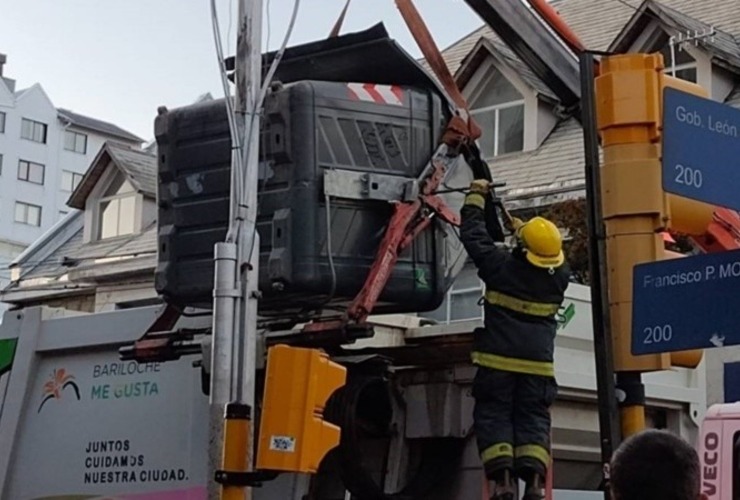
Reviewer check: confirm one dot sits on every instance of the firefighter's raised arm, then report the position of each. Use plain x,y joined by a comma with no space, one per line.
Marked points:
486,254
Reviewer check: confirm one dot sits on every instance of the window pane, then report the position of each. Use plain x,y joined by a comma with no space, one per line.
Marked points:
688,74
2,122
20,212
26,129
36,173
511,130
69,140
109,219
468,278
34,131
23,170
81,144
39,132
66,181
34,215
682,57
464,306
487,122
126,215
117,217
496,89
76,178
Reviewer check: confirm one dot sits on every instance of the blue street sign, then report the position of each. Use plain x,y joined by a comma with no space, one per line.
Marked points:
687,303
701,149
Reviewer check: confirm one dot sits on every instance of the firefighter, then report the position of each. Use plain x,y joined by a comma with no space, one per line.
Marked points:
514,385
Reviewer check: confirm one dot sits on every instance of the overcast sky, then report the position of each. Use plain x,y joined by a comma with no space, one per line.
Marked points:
118,60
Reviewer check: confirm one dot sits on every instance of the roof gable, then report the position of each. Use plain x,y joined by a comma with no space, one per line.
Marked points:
34,91
722,45
7,98
139,167
490,48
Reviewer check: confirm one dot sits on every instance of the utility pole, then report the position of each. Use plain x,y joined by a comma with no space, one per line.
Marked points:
601,320
233,356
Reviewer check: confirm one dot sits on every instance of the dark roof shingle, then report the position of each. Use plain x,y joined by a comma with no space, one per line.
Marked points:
721,45
75,254
598,22
96,125
139,166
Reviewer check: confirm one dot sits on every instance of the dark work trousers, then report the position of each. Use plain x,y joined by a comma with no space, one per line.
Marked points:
512,421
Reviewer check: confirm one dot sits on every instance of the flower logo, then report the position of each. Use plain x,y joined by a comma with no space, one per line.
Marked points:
56,385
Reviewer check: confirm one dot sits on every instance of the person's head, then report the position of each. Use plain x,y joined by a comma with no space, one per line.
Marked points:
543,242
655,465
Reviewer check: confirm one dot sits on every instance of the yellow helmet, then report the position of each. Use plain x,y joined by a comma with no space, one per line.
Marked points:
543,242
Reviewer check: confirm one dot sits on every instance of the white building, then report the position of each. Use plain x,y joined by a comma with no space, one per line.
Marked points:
44,152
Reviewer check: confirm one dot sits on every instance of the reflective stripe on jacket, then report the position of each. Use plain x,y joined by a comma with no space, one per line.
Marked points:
521,301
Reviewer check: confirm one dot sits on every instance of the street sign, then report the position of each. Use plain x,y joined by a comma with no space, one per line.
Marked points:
686,303
701,149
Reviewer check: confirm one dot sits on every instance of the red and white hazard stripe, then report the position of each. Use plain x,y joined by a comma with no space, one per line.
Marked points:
381,94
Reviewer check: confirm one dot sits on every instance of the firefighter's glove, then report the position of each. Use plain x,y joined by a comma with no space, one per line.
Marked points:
480,186
516,224
476,197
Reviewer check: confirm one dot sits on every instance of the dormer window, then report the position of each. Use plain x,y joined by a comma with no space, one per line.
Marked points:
498,108
116,209
118,193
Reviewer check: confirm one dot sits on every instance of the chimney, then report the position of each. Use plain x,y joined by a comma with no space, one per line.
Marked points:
3,60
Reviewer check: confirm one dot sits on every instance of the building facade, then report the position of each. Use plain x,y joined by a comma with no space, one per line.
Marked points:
44,153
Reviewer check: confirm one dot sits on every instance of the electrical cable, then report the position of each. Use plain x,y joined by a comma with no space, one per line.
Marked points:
236,176
231,22
636,8
269,28
259,103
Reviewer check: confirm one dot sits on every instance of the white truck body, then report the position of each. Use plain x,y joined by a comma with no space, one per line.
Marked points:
76,422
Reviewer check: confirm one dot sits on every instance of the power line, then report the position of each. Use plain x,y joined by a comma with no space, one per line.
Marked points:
624,2
637,9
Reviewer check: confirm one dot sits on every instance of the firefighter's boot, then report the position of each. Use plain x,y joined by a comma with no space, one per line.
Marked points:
534,489
504,487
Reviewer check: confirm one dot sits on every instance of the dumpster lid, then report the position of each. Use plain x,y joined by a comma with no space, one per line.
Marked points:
368,56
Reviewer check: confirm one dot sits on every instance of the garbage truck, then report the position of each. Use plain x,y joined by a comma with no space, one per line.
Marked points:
110,405
77,422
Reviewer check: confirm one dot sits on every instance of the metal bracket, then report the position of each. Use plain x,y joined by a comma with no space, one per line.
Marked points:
367,186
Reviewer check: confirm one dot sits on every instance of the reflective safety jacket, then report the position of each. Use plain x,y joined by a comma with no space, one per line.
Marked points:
520,304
